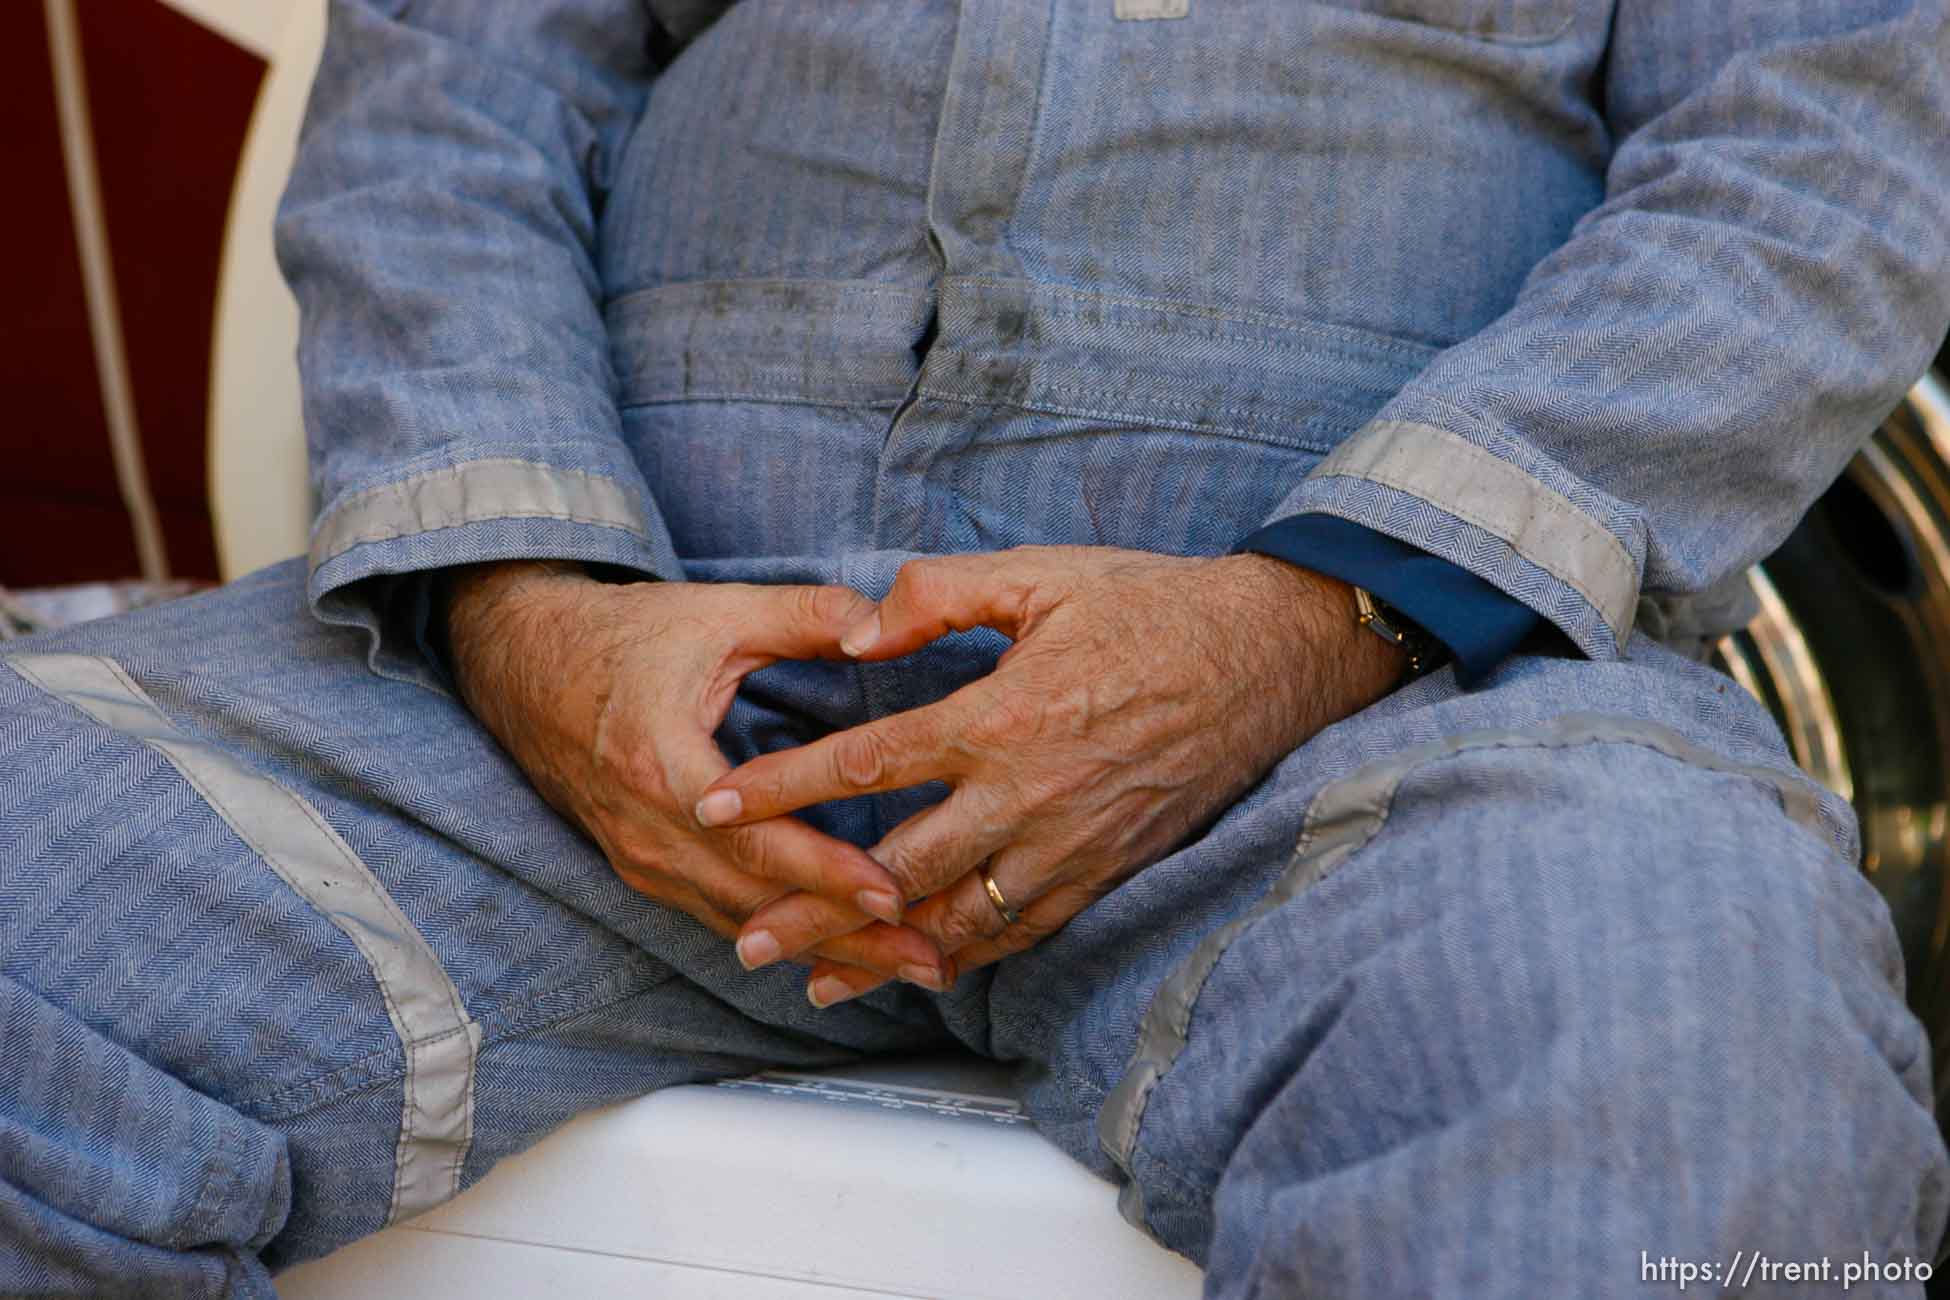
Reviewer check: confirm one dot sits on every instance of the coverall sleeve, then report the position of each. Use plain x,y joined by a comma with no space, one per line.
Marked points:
439,230
1677,382
1479,624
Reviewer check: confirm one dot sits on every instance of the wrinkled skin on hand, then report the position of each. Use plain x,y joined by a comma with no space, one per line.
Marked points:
1143,694
607,697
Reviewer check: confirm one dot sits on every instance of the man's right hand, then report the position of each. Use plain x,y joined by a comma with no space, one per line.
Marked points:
607,697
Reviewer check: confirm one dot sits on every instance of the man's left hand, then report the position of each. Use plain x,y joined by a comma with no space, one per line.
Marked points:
1143,694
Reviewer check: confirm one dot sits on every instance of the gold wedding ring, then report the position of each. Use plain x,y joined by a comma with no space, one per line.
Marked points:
1009,914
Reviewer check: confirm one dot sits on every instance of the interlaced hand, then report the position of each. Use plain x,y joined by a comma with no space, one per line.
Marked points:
1143,694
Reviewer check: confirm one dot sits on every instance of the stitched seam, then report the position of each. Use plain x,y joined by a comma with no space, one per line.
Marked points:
1266,434
262,1103
509,1026
385,1066
496,451
414,1045
1312,344
1543,37
463,470
1244,412
1534,38
1189,1188
1358,338
1605,639
197,1227
463,1147
738,375
1522,481
409,1105
1470,516
1546,563
794,398
1493,433
385,903
829,288
1032,154
788,371
507,1034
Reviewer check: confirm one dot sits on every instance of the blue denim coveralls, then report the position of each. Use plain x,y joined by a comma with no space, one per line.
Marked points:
1479,993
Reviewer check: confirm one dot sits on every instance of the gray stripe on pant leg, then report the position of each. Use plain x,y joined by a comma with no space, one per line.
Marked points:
1343,817
440,1041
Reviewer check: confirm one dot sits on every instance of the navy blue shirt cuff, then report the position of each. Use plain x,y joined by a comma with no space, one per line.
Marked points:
1479,624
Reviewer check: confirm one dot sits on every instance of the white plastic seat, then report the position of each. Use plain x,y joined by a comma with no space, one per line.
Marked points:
914,1178
906,1179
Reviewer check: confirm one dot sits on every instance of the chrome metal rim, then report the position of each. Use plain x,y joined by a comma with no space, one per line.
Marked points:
1851,652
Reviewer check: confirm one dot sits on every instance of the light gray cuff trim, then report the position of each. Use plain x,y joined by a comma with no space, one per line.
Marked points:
440,1040
1455,475
470,492
1343,817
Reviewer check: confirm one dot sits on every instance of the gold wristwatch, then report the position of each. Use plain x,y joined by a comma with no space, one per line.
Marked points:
1425,653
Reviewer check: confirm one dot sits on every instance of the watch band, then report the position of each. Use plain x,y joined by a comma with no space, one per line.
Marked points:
1425,653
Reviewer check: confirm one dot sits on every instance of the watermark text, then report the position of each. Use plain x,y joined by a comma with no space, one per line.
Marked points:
1748,1267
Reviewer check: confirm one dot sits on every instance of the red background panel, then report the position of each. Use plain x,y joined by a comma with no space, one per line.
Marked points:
56,476
169,101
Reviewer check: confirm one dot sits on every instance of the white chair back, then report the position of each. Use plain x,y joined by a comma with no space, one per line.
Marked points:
260,498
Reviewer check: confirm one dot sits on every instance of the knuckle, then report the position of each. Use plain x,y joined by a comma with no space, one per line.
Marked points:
963,923
811,605
803,925
860,759
906,866
916,582
1052,788
774,789
1009,719
643,866
838,605
867,948
743,900
636,851
649,886
1034,929
736,899
642,774
751,848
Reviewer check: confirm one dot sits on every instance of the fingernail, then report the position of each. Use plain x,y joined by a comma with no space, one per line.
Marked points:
718,807
757,949
926,976
880,905
860,637
828,989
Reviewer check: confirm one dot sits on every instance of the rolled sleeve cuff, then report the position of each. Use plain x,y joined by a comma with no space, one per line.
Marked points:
1455,499
459,513
471,513
1479,624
